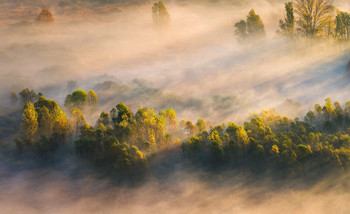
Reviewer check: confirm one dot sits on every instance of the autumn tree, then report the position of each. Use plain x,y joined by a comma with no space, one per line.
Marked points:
251,29
170,118
92,100
45,16
149,128
77,121
29,122
255,26
313,15
189,128
201,125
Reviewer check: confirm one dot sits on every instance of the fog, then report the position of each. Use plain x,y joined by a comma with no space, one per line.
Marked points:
196,66
196,59
51,191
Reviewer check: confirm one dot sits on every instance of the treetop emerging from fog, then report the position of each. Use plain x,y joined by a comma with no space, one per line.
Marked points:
160,14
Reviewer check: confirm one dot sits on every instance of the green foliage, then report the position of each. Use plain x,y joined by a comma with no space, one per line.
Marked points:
170,117
241,30
342,29
201,125
124,114
29,122
268,140
255,26
287,26
320,142
76,100
251,29
92,100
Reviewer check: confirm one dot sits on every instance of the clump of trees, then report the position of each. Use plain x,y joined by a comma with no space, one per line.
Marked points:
275,142
82,100
160,14
342,29
302,19
121,138
251,29
44,125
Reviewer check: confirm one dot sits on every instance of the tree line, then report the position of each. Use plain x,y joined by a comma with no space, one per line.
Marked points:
302,18
122,140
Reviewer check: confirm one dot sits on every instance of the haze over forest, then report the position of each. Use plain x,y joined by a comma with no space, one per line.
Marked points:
199,106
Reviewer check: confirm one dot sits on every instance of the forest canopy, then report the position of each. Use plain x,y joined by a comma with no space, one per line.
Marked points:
122,140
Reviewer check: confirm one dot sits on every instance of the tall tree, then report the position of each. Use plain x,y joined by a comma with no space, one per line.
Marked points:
77,121
241,30
29,122
251,29
91,98
27,95
170,118
255,26
287,25
342,29
313,15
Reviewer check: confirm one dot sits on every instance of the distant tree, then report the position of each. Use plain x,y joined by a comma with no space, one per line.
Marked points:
189,127
170,118
287,25
201,125
241,30
104,119
13,98
251,29
313,15
45,16
27,95
92,99
76,100
160,14
255,26
342,28
29,122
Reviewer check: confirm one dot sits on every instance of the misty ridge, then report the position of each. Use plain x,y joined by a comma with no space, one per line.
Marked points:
202,106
